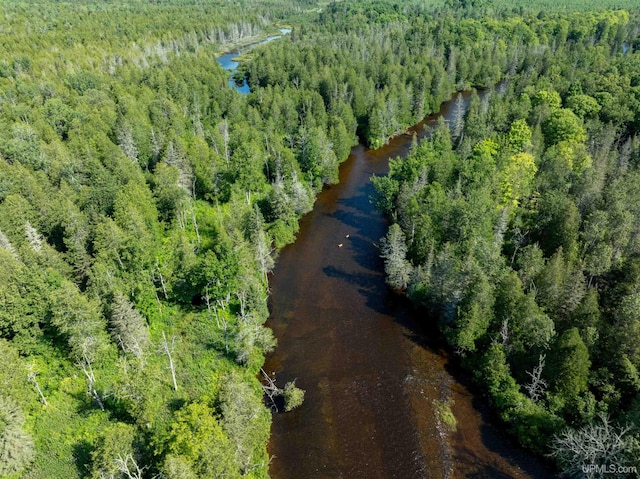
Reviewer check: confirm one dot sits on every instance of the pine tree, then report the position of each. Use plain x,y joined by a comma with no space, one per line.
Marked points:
16,445
128,327
394,252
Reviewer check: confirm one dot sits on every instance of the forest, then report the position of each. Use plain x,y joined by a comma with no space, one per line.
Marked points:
141,200
516,225
143,203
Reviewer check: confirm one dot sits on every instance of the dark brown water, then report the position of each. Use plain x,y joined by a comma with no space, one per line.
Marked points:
370,374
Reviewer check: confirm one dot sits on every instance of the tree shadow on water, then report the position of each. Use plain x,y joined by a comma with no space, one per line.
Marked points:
369,285
503,448
496,454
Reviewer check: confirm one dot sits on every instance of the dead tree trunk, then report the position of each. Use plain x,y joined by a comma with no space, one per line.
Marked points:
270,389
167,350
31,377
85,365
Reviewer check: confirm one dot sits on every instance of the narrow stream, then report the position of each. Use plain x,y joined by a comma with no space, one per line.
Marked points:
228,62
370,372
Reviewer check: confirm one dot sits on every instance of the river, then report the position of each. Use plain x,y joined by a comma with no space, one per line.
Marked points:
229,63
370,371
365,358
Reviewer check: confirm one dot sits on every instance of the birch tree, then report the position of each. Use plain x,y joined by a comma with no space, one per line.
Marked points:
168,350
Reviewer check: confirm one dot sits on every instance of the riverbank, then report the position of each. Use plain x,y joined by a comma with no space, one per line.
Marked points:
248,43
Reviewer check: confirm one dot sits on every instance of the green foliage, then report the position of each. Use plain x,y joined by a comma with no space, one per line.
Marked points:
519,135
124,182
114,443
584,106
517,177
197,436
246,422
140,196
563,125
550,99
293,396
16,445
516,233
177,467
569,366
445,415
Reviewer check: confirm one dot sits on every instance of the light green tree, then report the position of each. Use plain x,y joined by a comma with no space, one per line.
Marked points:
393,250
16,445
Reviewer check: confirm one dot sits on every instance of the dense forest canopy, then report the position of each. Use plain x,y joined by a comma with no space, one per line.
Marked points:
142,201
517,226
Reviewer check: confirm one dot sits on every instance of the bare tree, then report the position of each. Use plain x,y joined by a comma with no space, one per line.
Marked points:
194,219
87,369
302,198
223,128
270,389
500,228
161,277
591,451
174,156
261,243
223,304
458,120
168,349
127,143
538,386
31,377
504,332
252,336
128,466
242,414
519,238
156,145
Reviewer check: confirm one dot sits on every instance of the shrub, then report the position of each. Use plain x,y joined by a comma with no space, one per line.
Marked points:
293,396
